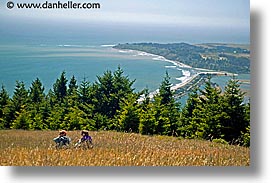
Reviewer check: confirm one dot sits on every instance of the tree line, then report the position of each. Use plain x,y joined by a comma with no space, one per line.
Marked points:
111,103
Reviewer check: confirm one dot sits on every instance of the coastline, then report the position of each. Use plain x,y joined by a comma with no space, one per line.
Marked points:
184,79
157,57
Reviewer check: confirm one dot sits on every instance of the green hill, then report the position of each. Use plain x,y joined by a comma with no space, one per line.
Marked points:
232,58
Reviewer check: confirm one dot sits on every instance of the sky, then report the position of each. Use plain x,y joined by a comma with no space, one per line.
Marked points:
208,15
164,12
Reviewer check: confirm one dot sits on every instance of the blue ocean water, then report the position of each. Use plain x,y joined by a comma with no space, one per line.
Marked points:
43,50
27,62
46,62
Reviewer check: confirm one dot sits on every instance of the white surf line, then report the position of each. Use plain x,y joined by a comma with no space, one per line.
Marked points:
180,65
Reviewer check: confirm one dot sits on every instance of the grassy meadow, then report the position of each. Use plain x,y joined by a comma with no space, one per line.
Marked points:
36,148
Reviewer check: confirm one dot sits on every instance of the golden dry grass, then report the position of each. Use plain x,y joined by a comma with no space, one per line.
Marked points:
36,148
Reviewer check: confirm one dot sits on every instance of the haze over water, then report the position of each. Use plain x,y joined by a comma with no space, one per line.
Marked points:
43,43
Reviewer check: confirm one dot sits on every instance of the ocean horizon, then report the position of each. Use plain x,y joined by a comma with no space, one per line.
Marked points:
45,61
44,50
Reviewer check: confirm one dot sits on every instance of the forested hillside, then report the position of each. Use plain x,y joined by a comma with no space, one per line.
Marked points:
219,57
111,103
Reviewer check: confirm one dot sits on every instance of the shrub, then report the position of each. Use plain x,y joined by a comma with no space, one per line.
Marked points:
220,141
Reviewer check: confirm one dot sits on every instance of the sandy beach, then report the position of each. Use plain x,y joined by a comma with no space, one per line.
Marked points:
185,78
186,75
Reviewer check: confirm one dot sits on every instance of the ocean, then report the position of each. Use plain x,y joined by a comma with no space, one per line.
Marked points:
26,63
40,51
46,62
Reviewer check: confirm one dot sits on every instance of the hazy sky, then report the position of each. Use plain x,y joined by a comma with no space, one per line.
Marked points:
131,20
164,12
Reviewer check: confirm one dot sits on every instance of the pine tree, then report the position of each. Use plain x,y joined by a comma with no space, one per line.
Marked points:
167,109
77,119
22,120
17,114
20,96
36,106
213,113
73,97
4,101
147,119
4,97
169,115
147,114
128,116
60,87
55,120
36,92
203,115
102,98
144,99
85,91
165,92
109,91
234,106
122,83
187,126
122,86
72,90
191,103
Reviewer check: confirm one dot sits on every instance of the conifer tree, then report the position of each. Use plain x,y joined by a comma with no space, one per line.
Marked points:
122,86
56,117
234,106
36,91
18,114
167,109
4,97
165,92
103,89
109,90
60,87
128,116
85,91
77,119
22,120
144,98
213,113
203,114
147,125
4,101
72,90
20,96
186,128
147,119
192,103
